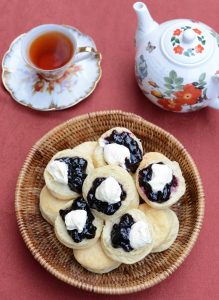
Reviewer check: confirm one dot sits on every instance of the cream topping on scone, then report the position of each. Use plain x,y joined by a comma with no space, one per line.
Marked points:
115,154
161,175
109,191
139,235
59,171
76,219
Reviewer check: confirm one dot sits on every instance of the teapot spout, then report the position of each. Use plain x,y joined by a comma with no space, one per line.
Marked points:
146,24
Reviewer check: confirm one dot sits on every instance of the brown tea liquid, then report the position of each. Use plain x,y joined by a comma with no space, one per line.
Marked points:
51,50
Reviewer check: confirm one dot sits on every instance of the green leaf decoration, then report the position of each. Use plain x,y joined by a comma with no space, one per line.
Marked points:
174,44
199,38
177,41
173,75
203,83
172,38
205,93
214,33
168,94
179,80
168,80
202,77
186,53
168,86
186,27
195,83
179,88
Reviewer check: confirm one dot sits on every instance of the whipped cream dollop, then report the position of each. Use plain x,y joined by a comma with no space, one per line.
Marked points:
109,191
59,171
139,235
76,219
161,175
115,154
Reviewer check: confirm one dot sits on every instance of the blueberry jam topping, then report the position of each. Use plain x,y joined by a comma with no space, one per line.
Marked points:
89,229
102,206
126,140
120,233
145,175
76,172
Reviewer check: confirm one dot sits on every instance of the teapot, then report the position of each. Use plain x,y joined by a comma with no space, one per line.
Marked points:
177,62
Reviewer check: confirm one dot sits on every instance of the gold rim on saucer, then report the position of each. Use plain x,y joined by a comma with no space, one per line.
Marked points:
52,106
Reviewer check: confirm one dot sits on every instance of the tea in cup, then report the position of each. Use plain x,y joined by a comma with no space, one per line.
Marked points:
50,49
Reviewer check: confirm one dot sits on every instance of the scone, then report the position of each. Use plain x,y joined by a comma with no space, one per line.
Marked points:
159,180
165,226
86,148
95,260
50,206
171,237
76,227
110,191
129,238
65,173
118,146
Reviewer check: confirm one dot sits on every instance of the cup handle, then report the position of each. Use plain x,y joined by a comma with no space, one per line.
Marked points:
88,50
214,102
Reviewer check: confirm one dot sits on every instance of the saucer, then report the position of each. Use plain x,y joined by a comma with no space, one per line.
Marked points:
31,90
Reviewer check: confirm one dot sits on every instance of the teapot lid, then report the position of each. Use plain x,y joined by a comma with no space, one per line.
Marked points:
187,43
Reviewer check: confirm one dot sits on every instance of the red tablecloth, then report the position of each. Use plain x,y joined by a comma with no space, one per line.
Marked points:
112,24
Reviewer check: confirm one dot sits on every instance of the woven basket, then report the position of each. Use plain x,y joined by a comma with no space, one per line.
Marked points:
57,259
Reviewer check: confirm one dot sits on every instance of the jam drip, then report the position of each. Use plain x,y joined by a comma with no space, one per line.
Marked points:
89,229
120,233
76,172
126,140
145,175
102,206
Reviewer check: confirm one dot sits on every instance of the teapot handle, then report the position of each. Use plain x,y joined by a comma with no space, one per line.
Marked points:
214,102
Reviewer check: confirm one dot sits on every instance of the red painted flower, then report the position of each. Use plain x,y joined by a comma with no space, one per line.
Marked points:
169,104
197,31
189,95
178,49
199,49
177,32
38,86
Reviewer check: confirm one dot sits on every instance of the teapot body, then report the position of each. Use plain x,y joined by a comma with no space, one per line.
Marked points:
178,76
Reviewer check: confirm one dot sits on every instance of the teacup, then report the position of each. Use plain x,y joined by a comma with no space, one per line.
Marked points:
45,37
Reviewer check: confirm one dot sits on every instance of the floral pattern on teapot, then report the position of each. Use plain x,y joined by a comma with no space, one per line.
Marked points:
176,42
174,95
176,62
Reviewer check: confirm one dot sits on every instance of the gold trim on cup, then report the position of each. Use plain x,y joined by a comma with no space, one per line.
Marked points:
52,106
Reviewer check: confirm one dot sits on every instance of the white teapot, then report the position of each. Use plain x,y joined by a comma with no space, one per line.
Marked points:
177,62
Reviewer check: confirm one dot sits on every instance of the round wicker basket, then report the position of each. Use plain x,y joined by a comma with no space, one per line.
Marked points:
57,259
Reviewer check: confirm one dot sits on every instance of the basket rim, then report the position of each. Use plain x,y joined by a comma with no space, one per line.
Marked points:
89,287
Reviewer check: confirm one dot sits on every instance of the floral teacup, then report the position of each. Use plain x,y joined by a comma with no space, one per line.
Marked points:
33,34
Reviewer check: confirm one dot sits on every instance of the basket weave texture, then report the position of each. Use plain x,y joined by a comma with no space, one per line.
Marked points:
57,259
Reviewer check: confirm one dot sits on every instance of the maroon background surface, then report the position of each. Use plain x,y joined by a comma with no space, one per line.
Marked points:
112,24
